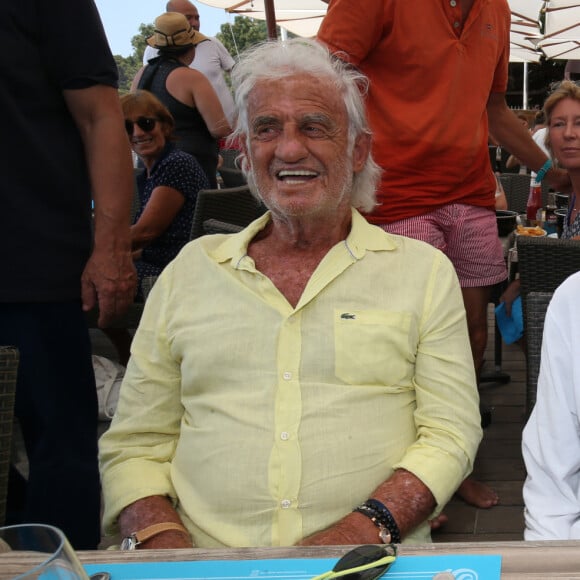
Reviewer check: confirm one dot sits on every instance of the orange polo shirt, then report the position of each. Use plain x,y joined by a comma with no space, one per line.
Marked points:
430,81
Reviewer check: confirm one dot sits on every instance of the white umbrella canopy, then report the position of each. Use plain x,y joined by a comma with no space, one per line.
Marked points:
278,12
561,38
303,18
562,49
525,30
562,20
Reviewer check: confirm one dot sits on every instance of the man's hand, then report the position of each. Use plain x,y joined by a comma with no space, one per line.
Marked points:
110,280
509,295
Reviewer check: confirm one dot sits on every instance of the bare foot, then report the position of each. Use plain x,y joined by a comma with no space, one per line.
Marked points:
439,521
478,494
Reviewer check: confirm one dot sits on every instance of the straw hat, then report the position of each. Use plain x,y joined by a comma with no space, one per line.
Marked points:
173,31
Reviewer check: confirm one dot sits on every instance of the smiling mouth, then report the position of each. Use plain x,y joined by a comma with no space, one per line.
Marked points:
142,141
296,176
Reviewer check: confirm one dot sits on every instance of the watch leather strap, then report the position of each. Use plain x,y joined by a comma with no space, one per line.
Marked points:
140,536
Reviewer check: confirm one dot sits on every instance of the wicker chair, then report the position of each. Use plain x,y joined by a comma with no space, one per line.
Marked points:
229,157
234,206
517,190
232,177
9,358
543,264
536,306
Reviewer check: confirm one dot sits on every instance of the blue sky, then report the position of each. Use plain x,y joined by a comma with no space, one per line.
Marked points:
121,19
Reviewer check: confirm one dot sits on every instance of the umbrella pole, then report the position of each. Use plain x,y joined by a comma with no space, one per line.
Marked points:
270,19
525,91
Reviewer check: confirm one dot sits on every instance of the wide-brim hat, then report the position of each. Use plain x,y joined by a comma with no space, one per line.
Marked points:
173,31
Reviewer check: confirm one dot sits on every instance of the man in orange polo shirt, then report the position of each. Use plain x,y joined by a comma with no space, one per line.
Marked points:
438,75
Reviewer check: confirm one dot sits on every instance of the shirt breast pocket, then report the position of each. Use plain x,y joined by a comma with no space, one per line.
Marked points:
375,347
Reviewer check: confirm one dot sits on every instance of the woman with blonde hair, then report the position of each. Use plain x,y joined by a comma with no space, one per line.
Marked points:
551,438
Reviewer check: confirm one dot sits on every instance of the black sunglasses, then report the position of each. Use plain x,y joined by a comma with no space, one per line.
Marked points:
146,124
367,562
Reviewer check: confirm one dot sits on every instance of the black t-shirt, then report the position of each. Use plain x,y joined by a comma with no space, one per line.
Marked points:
45,233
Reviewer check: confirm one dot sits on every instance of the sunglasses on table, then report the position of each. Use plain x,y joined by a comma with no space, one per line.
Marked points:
146,124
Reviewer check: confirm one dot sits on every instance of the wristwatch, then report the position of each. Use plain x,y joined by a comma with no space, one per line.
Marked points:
133,540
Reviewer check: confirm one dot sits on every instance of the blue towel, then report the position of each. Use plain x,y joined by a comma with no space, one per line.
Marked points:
510,327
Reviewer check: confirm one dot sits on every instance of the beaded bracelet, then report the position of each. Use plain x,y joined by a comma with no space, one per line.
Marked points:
543,170
380,515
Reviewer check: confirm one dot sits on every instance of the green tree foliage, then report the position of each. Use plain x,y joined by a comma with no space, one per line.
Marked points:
128,66
139,42
244,32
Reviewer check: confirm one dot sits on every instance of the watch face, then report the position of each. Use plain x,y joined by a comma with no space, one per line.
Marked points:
128,543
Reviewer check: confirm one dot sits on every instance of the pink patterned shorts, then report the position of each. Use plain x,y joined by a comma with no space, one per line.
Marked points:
466,234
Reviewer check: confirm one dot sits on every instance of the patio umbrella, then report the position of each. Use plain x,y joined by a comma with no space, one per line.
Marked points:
281,12
561,38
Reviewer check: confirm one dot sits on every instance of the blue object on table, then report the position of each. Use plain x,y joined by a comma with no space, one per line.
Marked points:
407,567
510,327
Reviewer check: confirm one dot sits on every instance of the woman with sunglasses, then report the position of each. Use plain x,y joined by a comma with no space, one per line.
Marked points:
188,95
167,194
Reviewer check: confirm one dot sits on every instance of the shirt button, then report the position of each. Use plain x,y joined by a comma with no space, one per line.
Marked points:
285,504
287,376
284,436
456,25
453,3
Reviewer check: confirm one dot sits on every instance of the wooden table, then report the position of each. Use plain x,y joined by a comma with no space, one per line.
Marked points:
520,560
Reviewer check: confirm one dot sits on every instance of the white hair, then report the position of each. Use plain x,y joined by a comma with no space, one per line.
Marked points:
281,59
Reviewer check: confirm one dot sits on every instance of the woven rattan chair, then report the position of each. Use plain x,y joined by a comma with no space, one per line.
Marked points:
536,306
232,177
543,264
212,226
233,205
517,190
9,358
229,157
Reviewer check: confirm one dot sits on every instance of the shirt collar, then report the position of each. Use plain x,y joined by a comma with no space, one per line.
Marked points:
362,237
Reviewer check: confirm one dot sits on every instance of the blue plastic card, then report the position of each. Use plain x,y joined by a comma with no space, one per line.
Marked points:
463,567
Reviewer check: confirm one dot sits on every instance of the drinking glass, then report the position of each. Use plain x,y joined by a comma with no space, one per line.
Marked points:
37,551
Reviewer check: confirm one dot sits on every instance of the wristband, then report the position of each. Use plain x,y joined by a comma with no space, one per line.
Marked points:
131,542
380,515
543,170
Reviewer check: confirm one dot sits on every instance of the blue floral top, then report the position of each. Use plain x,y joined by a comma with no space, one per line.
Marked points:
180,171
571,230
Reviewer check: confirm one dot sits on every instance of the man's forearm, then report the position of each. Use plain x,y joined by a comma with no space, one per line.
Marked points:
145,512
98,116
407,498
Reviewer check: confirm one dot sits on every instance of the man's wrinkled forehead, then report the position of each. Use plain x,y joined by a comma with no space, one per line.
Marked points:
303,93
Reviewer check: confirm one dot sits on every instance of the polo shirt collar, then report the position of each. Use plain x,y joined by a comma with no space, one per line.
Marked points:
362,237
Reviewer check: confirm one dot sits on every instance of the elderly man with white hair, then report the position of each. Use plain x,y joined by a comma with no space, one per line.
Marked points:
307,380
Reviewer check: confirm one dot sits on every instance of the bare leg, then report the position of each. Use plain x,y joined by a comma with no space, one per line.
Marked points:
476,300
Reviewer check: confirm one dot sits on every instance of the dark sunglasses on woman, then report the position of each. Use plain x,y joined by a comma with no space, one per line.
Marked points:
146,124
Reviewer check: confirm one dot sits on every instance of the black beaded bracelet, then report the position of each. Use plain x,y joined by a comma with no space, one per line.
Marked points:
380,515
